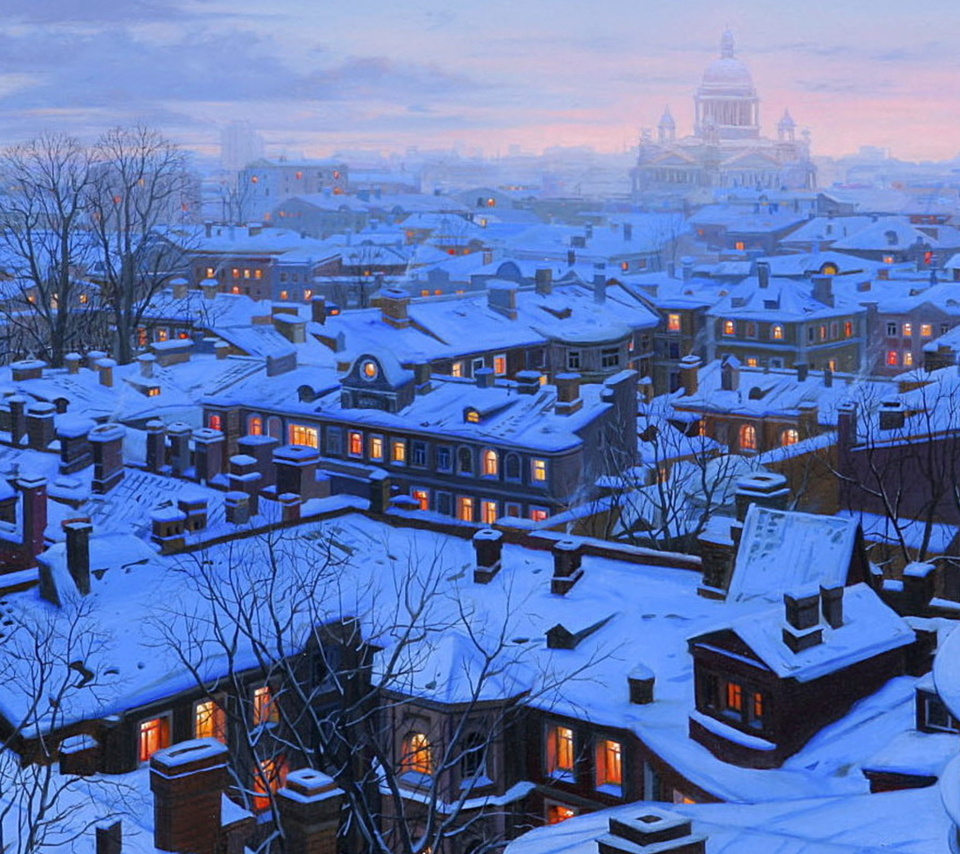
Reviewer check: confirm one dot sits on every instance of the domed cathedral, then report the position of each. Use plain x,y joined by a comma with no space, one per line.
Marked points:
726,148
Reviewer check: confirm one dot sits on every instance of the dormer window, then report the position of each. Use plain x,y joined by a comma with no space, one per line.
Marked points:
472,415
892,238
369,369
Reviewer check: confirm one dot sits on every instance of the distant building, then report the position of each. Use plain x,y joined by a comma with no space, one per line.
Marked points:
726,148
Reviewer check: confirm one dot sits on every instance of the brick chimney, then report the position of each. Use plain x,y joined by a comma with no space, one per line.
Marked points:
39,421
763,274
207,453
72,362
318,310
309,806
105,368
640,682
485,377
179,452
488,546
566,566
106,440
296,468
654,830
543,279
156,439
568,393
237,507
34,490
78,552
187,781
393,307
209,288
802,612
528,382
893,414
502,298
600,283
831,605
689,375
765,489
146,361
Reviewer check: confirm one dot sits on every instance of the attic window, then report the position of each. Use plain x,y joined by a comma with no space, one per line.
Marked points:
369,369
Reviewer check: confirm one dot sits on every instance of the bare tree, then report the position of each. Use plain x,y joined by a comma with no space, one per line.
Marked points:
53,657
140,187
50,305
351,659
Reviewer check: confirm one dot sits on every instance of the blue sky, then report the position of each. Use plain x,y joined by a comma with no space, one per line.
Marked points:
370,73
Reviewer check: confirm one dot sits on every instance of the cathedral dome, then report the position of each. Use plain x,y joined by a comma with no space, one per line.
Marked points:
727,72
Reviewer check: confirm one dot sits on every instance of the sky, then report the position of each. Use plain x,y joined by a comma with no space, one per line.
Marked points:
327,75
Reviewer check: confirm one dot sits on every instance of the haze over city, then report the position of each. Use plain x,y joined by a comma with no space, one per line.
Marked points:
380,75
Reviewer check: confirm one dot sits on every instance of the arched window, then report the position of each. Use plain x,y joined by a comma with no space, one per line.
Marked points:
416,754
511,467
473,760
789,437
491,463
776,332
748,438
254,426
464,461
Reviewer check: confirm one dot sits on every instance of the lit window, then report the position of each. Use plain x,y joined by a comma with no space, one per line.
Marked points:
538,514
758,706
154,736
748,438
560,754
356,443
734,697
557,813
246,272
284,295
162,334
269,777
823,333
609,763
752,362
893,358
491,463
399,452
908,359
264,708
829,269
209,721
539,470
926,330
832,364
211,272
424,293
673,322
789,437
255,425
235,273
907,330
307,294
488,512
84,299
500,364
422,497
887,259
456,369
370,369
302,435
473,416
465,509
729,327
848,329
376,447
417,754
740,245
776,332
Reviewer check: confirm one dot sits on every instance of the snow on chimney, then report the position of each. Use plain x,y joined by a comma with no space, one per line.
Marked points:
488,546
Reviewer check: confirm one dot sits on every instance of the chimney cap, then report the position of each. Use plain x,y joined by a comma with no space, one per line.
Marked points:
487,534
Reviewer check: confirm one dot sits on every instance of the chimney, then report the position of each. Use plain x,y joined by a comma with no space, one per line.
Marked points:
208,229
803,371
291,327
571,257
544,281
245,477
221,349
179,454
309,806
296,471
802,613
27,369
599,283
488,546
146,362
566,566
687,264
110,839
484,377
729,373
628,231
689,375
846,436
823,289
487,257
588,231
106,441
655,830
318,310
254,229
39,420
34,491
422,372
528,382
188,781
640,682
156,439
289,506
72,361
568,394
237,507
105,367
78,552
831,605
393,307
209,288
180,287
763,274
502,298
892,414
765,489
18,418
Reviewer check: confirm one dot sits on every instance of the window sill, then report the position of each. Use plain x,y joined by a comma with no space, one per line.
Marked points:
611,789
563,775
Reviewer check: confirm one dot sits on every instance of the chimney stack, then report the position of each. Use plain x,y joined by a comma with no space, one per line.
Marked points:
78,552
763,274
831,605
568,393
689,375
544,281
599,283
566,566
318,310
802,612
892,414
729,373
488,546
